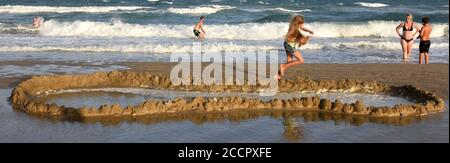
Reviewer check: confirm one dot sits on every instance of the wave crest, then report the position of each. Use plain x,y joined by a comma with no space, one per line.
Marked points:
207,9
86,9
210,47
247,31
374,5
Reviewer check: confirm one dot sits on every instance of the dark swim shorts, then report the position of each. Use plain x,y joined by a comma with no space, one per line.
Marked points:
289,49
196,33
424,46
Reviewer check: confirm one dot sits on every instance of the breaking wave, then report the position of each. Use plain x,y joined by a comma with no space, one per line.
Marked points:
246,31
85,9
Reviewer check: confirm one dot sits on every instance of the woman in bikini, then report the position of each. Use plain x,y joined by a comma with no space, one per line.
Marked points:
294,39
407,38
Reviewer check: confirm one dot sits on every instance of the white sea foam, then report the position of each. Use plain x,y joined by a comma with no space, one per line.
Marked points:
264,3
167,2
386,45
276,9
86,9
206,9
208,47
375,5
290,11
247,31
132,48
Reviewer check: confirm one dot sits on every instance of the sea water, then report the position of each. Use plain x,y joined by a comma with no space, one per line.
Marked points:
346,31
102,32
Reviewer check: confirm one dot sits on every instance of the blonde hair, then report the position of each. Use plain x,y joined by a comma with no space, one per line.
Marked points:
293,34
411,15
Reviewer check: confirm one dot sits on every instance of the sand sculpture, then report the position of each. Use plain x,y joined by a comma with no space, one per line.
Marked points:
24,95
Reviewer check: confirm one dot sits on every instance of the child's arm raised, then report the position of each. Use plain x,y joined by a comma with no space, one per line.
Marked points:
307,30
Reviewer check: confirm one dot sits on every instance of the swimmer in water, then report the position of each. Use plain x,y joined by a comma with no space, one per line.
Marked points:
37,21
425,42
198,29
407,36
295,38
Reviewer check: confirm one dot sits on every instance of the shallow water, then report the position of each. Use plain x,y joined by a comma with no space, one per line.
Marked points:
48,69
16,126
135,96
347,31
135,30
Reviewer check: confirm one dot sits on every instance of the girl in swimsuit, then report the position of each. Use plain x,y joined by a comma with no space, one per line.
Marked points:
407,38
294,39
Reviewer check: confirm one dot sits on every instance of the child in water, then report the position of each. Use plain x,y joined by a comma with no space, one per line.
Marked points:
37,21
424,46
198,29
294,39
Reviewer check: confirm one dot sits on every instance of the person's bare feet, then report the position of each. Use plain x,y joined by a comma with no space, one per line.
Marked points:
277,76
282,69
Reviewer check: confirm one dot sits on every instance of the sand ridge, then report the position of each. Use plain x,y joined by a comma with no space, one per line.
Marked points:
22,97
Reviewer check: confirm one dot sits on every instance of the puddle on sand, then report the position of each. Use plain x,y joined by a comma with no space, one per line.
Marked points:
245,127
135,96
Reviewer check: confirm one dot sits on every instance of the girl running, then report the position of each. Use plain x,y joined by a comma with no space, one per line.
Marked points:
294,39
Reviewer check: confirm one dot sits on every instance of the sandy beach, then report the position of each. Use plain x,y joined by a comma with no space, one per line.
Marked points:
432,77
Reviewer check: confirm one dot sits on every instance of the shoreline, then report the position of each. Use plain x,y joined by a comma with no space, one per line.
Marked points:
433,77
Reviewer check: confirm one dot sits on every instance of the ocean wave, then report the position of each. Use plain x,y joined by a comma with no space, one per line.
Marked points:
211,47
290,11
86,9
263,3
247,31
132,48
375,5
367,29
167,2
380,45
206,9
279,9
20,29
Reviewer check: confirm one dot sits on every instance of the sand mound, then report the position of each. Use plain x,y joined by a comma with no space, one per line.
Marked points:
24,95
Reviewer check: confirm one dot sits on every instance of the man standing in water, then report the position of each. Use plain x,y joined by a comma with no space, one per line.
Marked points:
198,29
425,42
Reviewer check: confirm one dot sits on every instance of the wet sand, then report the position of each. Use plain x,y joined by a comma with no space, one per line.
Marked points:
11,81
432,77
204,128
